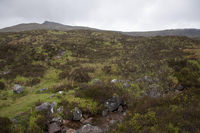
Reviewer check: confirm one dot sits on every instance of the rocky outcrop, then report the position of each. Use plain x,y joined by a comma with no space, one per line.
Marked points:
18,89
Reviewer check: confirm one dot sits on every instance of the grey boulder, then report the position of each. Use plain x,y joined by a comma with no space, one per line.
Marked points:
44,106
113,103
77,115
179,87
18,89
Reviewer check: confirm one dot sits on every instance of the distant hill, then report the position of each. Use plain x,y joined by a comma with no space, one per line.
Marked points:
176,32
58,26
45,25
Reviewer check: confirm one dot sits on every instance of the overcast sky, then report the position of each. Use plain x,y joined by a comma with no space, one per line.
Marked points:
120,15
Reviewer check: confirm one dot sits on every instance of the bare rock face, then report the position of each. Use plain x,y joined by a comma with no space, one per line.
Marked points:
18,89
77,114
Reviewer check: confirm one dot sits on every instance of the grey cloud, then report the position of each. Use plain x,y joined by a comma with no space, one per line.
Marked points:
124,15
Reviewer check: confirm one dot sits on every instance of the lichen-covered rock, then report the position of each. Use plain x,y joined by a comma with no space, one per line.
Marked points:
18,89
113,103
77,115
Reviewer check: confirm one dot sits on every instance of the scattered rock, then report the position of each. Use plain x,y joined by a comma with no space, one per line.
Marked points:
53,128
114,81
77,114
120,109
18,89
126,85
52,96
65,122
97,82
57,120
179,87
43,89
113,103
60,110
90,129
54,105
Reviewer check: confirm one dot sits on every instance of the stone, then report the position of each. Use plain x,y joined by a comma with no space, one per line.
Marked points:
104,113
126,85
52,96
53,128
148,79
113,103
54,105
88,121
14,120
18,89
90,129
114,81
179,87
60,92
120,109
60,110
139,80
57,120
44,106
97,82
112,122
71,131
43,89
82,120
65,122
124,114
77,115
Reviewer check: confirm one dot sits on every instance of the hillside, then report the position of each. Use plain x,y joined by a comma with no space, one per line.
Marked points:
58,26
45,25
129,83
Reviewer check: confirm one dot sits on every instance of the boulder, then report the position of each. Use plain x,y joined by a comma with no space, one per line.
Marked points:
179,87
113,103
77,115
126,85
44,106
90,129
53,128
97,82
18,89
43,89
54,105
114,81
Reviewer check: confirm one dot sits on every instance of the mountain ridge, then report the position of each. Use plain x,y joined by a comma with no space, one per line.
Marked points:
57,26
